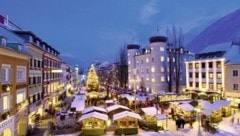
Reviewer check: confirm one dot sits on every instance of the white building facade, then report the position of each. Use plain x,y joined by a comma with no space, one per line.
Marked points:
212,71
147,67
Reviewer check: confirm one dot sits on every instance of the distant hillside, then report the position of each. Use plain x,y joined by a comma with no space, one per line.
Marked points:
225,29
72,61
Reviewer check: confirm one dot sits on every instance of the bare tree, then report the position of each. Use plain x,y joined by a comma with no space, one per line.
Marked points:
122,74
175,53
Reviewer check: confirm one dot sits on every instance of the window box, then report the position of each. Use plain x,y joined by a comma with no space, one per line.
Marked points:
6,87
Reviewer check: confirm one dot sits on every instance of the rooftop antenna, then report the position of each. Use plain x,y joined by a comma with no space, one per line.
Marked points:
7,21
157,29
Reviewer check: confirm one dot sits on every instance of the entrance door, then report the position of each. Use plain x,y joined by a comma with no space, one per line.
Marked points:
7,132
22,127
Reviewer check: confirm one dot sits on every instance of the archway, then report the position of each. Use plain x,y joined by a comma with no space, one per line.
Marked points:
22,127
7,132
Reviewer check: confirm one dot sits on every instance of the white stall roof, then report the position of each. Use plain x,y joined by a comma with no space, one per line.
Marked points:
222,102
79,105
207,112
94,115
117,106
109,101
186,107
161,116
149,110
94,108
126,114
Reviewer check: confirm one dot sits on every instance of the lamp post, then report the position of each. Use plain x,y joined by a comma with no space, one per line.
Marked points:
198,118
134,87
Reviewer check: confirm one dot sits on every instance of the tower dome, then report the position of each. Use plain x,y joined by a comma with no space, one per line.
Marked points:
133,46
154,39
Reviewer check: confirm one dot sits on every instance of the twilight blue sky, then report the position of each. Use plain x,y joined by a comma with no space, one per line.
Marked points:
95,29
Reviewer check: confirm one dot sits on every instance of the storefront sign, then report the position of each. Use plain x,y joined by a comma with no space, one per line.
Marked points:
9,123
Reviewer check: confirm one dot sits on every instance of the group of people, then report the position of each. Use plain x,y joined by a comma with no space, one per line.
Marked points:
180,122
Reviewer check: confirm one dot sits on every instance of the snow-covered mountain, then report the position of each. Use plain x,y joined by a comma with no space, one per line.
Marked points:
225,29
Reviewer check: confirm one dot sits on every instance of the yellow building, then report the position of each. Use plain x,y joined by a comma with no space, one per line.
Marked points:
232,79
13,86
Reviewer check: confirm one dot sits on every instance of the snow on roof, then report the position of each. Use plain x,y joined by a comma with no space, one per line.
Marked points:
10,35
217,47
114,107
104,64
142,98
215,107
161,116
222,102
205,104
94,108
149,110
79,105
109,101
126,114
186,107
94,115
206,112
79,98
233,61
128,97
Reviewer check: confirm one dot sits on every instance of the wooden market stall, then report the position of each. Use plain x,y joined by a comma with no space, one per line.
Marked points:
94,108
114,109
149,115
126,122
93,123
161,121
225,107
186,111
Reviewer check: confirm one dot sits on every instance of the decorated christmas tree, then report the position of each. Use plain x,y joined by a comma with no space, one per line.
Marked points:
92,80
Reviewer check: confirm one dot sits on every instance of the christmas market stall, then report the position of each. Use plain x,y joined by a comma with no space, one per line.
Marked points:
186,111
225,107
114,109
94,108
149,115
126,123
93,123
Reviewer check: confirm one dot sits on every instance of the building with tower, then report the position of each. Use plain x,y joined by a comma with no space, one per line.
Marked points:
147,67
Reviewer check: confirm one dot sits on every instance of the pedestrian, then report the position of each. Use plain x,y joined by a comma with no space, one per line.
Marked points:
190,123
238,120
232,119
176,122
183,123
53,112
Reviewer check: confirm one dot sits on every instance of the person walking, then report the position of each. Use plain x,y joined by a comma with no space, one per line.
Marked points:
232,119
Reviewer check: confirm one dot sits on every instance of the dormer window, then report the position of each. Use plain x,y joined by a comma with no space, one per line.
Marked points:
3,41
37,42
30,39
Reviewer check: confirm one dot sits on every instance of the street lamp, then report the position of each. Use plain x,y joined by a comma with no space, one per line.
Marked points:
134,87
198,118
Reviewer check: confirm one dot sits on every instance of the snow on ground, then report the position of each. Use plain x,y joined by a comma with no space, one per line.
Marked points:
226,128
